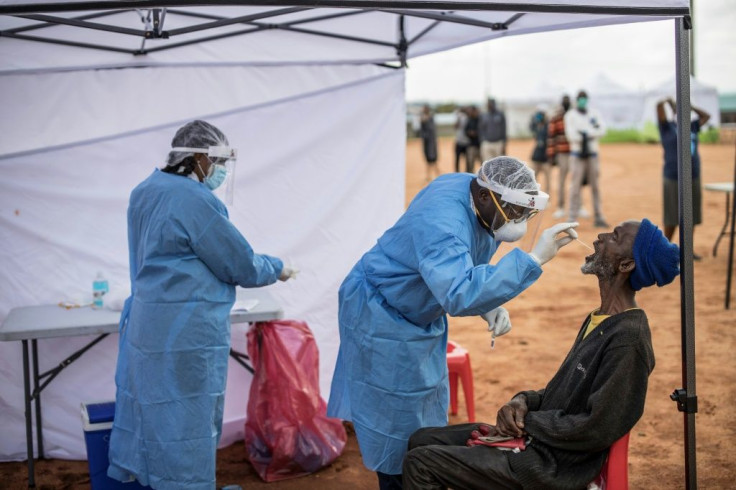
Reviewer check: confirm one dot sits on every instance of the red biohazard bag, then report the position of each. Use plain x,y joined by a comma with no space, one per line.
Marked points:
287,431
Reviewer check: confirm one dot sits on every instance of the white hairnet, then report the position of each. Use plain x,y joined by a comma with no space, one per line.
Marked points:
195,134
504,172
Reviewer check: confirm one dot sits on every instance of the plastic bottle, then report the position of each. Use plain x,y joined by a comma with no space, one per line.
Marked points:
99,288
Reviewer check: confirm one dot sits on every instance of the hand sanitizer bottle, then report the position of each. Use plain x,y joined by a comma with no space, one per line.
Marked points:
99,288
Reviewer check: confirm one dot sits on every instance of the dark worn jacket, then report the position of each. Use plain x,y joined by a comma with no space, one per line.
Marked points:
595,398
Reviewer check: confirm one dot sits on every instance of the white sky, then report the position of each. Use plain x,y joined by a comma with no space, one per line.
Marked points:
636,56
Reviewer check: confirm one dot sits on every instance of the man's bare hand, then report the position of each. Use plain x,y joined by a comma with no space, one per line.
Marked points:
510,417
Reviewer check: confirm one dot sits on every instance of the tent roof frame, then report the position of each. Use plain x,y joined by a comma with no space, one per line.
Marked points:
157,32
360,4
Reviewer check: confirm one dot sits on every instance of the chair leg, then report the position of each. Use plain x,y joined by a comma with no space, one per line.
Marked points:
617,477
467,379
453,393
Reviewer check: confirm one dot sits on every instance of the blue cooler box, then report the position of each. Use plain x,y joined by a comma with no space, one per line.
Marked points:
97,419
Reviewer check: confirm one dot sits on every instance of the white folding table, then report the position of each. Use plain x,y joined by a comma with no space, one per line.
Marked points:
50,321
727,189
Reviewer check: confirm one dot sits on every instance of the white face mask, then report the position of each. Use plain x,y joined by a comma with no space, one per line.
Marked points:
510,232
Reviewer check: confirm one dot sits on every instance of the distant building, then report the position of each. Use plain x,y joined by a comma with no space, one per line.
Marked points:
727,106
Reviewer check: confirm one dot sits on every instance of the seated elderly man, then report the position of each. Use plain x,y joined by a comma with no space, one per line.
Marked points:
596,396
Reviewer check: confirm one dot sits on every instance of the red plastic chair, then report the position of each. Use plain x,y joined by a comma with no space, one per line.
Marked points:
615,472
458,365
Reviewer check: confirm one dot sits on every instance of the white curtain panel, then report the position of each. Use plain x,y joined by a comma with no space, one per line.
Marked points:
320,176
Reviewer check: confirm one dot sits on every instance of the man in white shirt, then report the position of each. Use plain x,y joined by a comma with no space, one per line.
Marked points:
583,127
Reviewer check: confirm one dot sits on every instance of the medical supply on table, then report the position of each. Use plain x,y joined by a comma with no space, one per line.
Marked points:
99,288
584,244
68,305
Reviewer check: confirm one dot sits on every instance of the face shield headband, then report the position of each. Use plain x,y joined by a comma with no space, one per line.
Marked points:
532,203
219,155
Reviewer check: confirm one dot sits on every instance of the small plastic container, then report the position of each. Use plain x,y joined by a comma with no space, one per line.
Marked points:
99,288
97,419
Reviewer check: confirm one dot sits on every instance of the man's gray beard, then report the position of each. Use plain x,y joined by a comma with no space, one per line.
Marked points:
603,270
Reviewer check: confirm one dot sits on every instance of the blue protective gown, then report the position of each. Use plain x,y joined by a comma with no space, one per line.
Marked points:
391,372
185,259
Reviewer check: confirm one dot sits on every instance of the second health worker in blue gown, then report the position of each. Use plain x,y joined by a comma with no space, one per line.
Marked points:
186,258
391,372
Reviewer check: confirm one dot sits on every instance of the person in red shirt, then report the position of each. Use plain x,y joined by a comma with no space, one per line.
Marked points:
558,152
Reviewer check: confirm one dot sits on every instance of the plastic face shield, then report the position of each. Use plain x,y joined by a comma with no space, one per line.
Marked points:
518,205
220,155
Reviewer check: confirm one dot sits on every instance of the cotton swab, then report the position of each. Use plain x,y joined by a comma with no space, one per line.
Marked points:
584,244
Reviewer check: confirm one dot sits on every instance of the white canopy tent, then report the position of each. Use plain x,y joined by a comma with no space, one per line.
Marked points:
96,89
701,95
619,106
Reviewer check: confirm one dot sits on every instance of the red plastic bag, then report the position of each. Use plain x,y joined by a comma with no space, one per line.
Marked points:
287,431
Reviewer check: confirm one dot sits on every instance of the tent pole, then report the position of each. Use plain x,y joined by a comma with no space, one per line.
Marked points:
686,399
692,39
730,243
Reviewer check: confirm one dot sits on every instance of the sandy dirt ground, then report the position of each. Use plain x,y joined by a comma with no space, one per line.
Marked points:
546,318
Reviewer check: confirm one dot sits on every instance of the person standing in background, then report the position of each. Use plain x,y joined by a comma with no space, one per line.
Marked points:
472,132
428,131
538,127
492,132
668,137
461,139
558,153
583,127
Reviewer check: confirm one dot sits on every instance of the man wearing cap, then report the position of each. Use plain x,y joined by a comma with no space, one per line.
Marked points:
391,373
594,399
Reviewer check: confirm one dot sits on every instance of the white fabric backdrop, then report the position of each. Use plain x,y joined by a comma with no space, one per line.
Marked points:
320,176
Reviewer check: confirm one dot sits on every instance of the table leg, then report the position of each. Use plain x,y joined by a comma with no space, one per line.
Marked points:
725,224
29,417
241,359
37,396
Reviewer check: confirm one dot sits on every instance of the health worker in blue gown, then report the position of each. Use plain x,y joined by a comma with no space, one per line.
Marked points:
391,373
186,258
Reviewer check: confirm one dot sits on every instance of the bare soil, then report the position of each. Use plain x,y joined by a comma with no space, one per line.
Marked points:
545,319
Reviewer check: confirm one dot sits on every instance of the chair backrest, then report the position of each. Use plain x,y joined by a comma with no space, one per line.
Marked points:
455,350
615,471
